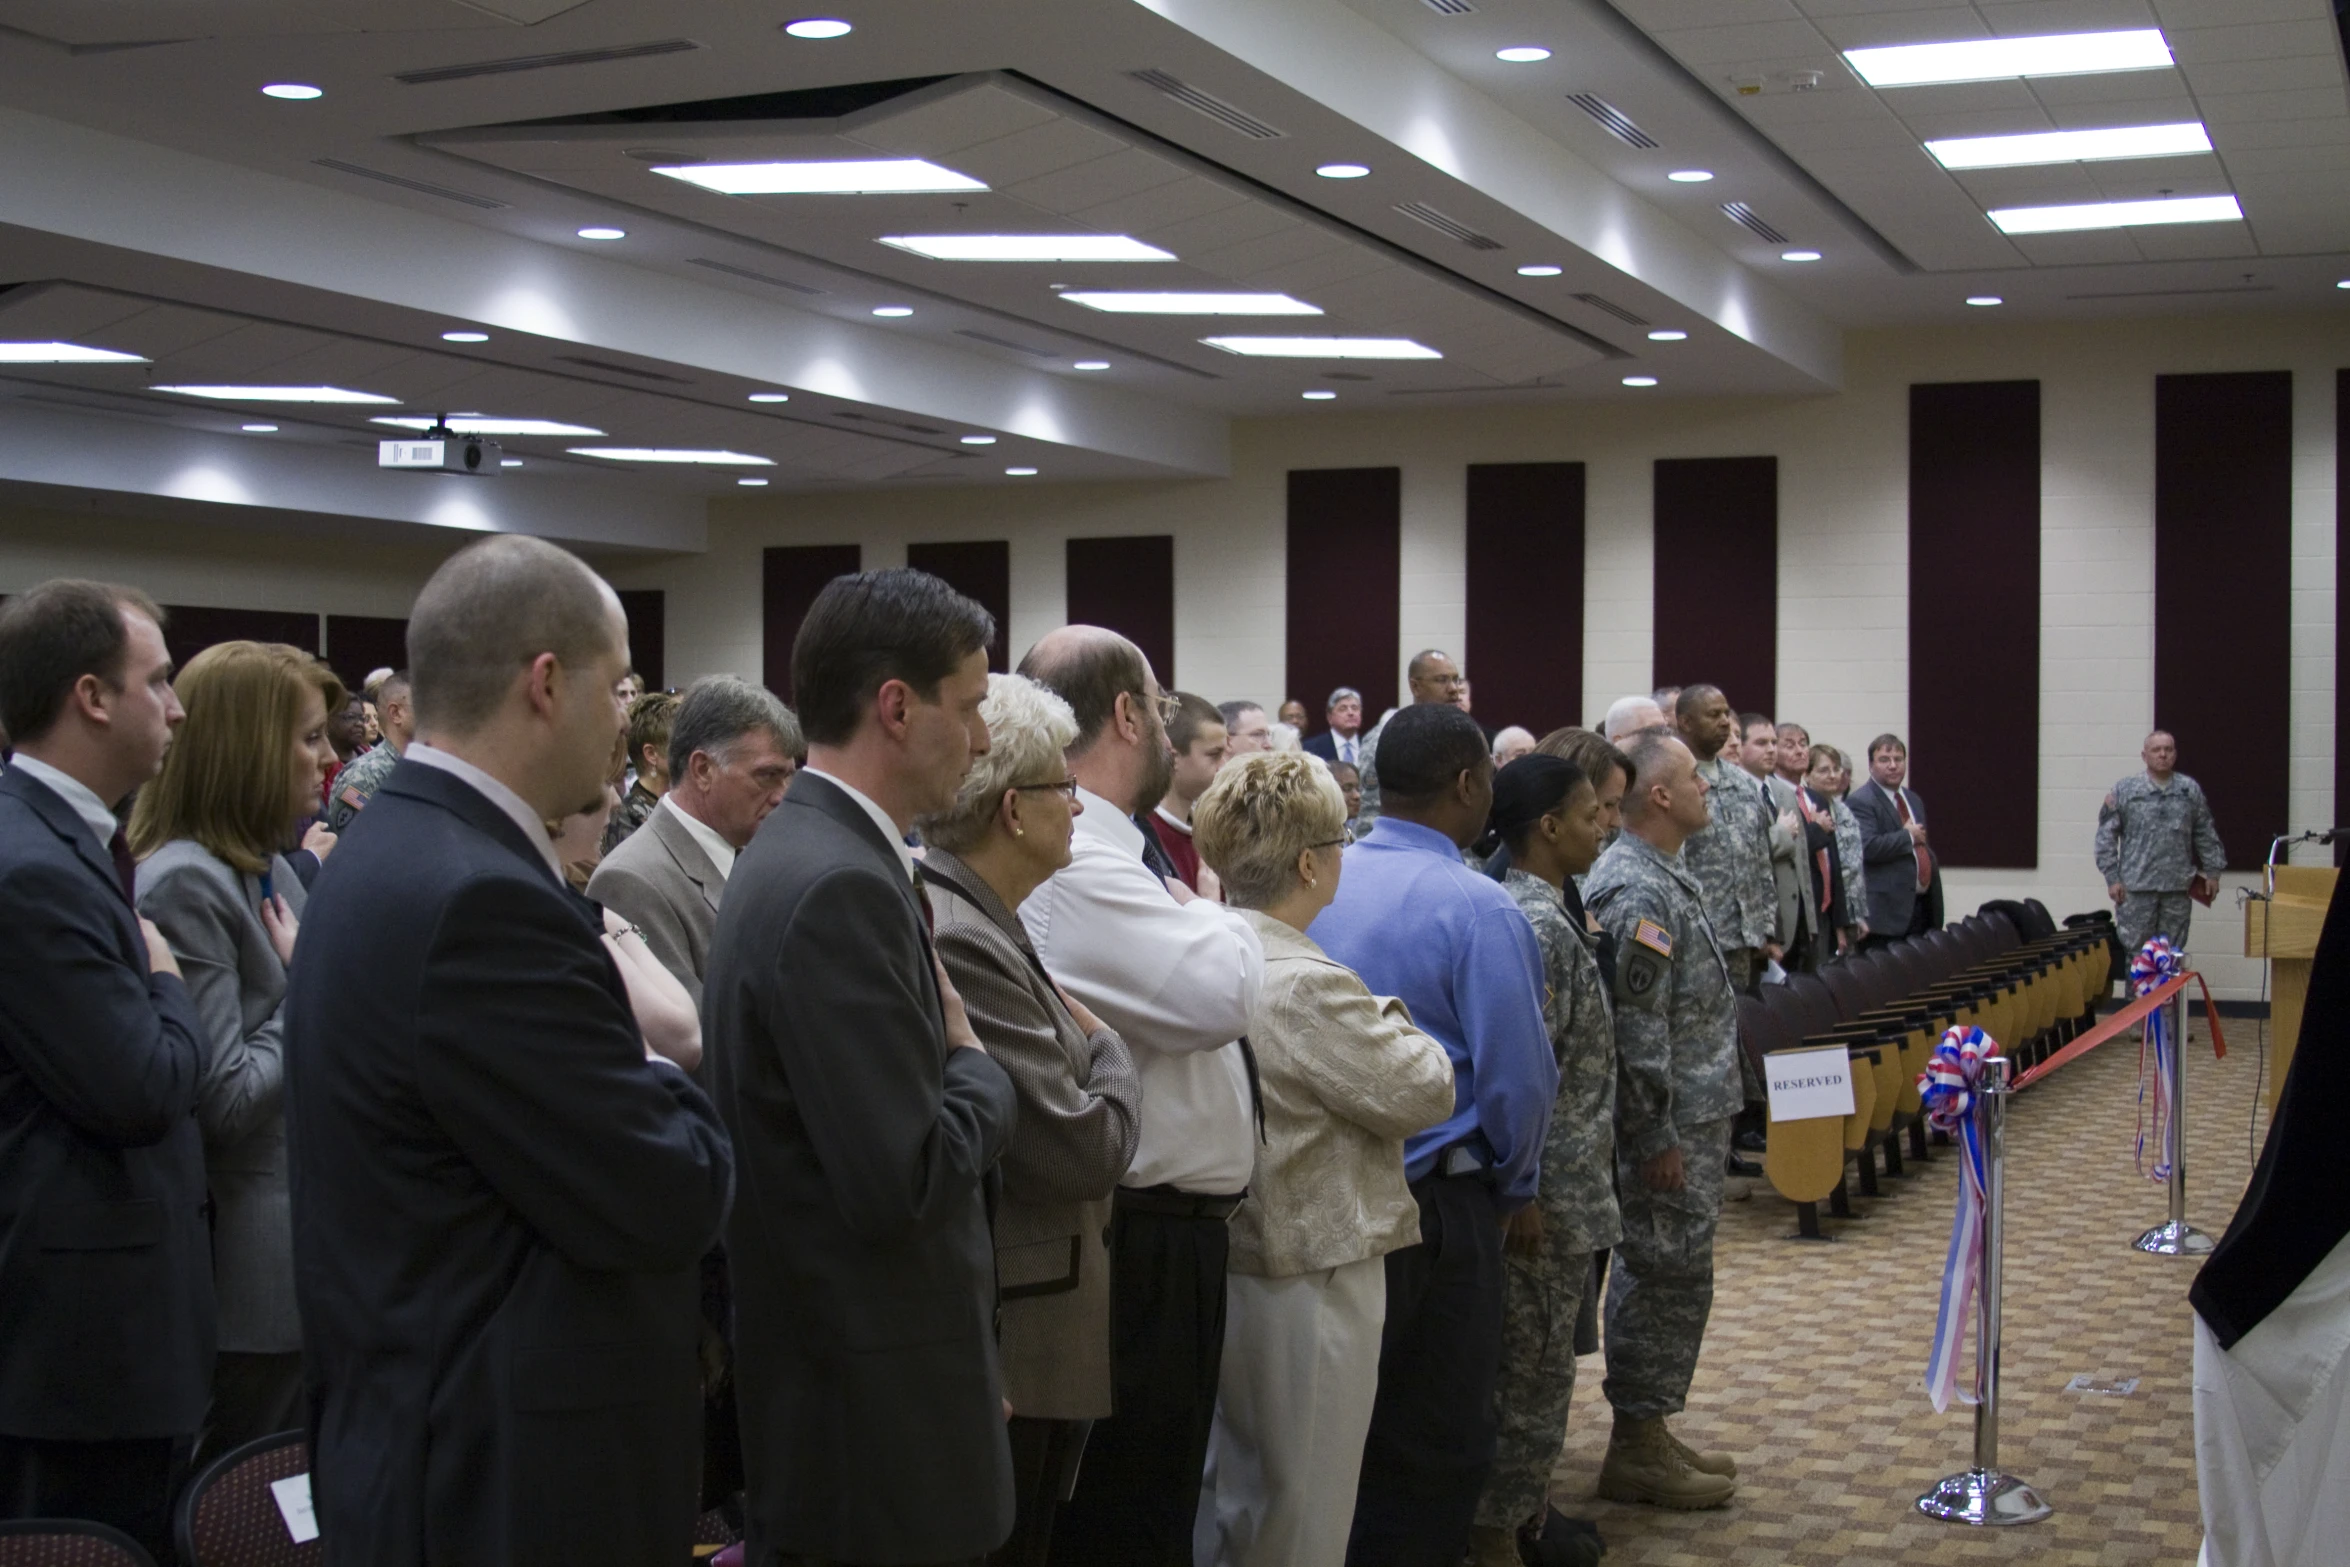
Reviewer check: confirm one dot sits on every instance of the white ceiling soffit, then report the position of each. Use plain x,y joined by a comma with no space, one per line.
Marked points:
1053,166
2265,77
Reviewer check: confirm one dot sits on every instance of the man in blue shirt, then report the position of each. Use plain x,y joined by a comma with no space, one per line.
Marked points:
1417,923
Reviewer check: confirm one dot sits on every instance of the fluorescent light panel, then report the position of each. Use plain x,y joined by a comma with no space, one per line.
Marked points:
2126,141
2115,215
63,354
1324,347
279,394
845,177
672,454
1992,59
1027,247
1194,304
479,425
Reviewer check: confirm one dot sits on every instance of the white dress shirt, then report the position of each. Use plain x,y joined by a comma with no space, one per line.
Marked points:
516,808
1347,748
1177,981
720,851
889,829
74,792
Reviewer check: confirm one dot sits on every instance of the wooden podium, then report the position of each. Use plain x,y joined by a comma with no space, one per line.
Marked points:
2284,930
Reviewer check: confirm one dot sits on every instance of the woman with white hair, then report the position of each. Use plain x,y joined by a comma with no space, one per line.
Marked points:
1080,1100
1345,1078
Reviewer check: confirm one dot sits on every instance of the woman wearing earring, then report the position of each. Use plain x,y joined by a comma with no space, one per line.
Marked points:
1345,1078
1080,1100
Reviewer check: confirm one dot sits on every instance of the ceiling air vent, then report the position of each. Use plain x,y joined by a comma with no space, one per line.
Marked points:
1747,218
1613,309
543,62
422,187
609,367
1004,342
1215,108
1450,7
1612,119
731,270
1451,228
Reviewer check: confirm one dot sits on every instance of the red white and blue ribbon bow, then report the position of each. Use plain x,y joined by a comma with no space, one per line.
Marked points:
1951,1086
2156,964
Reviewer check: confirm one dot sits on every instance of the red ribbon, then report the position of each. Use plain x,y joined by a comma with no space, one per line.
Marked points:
2122,1020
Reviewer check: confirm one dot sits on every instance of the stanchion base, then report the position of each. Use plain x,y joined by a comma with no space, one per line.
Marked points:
2176,1238
1984,1498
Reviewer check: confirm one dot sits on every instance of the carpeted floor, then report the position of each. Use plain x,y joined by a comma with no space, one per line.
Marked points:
1813,1373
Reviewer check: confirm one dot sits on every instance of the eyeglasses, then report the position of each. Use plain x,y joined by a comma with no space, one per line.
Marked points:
1168,704
1333,843
1067,787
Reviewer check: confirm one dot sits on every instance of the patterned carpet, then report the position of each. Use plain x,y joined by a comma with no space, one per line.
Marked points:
1813,1368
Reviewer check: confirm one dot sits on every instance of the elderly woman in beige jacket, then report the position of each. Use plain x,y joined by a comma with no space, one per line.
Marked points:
1345,1079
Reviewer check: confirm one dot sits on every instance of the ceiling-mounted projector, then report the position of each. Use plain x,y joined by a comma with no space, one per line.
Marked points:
441,450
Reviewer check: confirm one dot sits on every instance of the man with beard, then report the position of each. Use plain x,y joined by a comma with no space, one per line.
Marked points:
1177,976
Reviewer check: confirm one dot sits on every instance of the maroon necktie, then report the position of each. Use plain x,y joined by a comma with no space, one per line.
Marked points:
1925,860
126,869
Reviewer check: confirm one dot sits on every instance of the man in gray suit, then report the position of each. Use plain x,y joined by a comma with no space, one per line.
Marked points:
1798,924
1904,876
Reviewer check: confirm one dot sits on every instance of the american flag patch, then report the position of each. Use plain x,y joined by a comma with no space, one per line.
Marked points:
353,799
1649,934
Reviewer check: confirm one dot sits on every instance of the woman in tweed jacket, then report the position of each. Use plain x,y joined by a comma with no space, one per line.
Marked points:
1345,1078
1079,1098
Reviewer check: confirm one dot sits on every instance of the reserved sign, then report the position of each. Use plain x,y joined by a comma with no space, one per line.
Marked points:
1807,1084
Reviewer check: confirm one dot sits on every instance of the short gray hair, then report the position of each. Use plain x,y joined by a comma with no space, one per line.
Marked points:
1260,814
491,610
1028,730
718,710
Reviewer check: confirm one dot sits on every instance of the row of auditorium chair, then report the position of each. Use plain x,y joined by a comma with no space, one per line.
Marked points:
2008,969
227,1517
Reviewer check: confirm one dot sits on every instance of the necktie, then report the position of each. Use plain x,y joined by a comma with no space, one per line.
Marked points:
126,870
1346,751
1925,859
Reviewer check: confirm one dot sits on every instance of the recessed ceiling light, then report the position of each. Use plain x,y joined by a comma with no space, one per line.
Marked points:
843,177
1343,171
1640,380
1020,473
293,92
2115,214
719,459
818,27
2345,283
258,429
1667,335
1324,347
1027,247
978,440
1540,269
63,354
1799,255
1991,59
771,397
1522,54
465,337
1193,304
1091,364
893,312
603,233
477,424
1985,299
1317,397
509,462
2127,141
1690,176
752,484
278,394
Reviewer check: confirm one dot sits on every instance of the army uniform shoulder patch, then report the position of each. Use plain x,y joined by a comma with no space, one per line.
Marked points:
1638,975
353,799
1657,939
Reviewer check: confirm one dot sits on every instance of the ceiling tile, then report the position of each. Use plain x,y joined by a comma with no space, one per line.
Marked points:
1190,198
2143,111
1820,9
2309,103
2256,41
2332,131
1040,149
2194,241
1665,16
1808,108
2108,246
1879,29
2240,76
2034,18
1128,172
1912,103
1213,230
2248,163
2232,13
1306,278
2114,87
959,120
1300,242
1746,44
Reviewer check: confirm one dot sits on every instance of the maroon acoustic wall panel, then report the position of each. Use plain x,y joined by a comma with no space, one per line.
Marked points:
1344,587
1128,585
2223,594
790,577
978,569
358,645
647,610
1525,593
188,629
1974,615
1717,576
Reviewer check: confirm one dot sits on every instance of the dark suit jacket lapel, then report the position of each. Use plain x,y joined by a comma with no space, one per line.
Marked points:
815,792
453,794
63,820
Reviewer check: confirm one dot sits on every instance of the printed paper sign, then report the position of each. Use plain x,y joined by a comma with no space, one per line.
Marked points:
293,1505
1807,1084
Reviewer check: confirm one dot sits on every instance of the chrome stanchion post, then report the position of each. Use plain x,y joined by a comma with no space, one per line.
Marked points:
2175,1237
1982,1495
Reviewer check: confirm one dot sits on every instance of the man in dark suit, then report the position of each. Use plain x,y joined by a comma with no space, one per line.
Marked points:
868,1118
499,1194
1342,741
1904,877
106,1316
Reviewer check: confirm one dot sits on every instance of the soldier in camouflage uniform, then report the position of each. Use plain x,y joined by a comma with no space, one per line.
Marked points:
1548,815
2156,845
1731,856
1676,1025
356,784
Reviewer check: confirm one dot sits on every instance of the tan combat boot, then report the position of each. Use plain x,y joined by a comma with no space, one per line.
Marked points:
1644,1465
1493,1547
1704,1463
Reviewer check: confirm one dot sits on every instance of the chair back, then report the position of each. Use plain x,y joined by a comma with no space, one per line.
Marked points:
68,1542
230,1517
